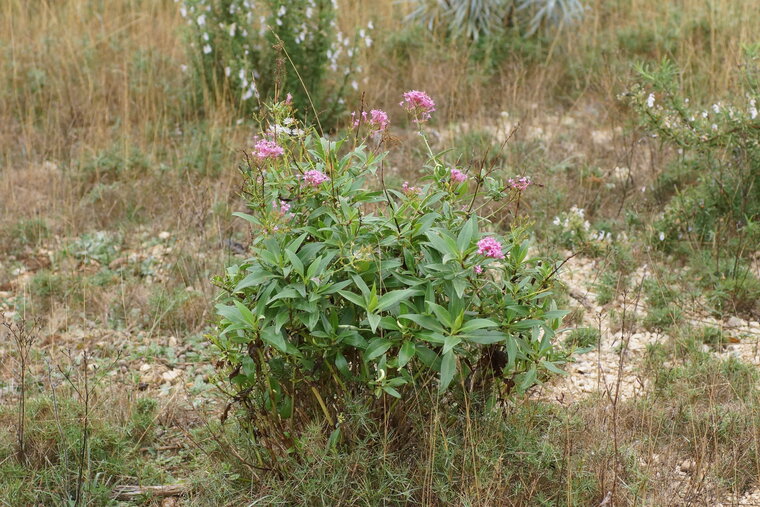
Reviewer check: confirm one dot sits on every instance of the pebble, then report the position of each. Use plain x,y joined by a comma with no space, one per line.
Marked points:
164,235
687,466
170,375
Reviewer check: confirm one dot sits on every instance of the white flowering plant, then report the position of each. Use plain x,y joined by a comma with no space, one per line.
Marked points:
720,145
251,50
572,230
358,290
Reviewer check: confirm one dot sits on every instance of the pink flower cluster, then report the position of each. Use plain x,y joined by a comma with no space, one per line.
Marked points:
520,183
458,176
315,178
267,149
410,190
419,104
478,269
490,247
283,206
376,119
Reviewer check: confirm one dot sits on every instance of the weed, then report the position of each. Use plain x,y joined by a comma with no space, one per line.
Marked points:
583,338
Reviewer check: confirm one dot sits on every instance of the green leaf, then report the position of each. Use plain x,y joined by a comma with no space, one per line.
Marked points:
254,278
392,391
246,314
511,353
442,314
374,320
274,338
250,218
472,325
395,296
424,321
450,343
466,235
332,441
526,380
353,298
296,243
376,348
295,261
342,364
485,337
280,320
448,369
288,293
553,367
405,354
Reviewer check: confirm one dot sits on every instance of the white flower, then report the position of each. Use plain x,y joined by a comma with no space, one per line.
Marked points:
183,68
227,71
248,94
205,36
650,100
371,25
232,30
183,11
662,236
206,49
309,12
354,85
282,11
201,20
716,108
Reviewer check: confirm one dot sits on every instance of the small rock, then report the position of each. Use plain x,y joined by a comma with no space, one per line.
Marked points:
170,375
687,465
735,322
145,367
164,235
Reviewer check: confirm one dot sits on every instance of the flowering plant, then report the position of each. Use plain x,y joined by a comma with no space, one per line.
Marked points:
246,49
719,153
361,288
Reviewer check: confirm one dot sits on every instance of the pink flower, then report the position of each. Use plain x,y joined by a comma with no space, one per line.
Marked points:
379,119
267,149
520,183
490,247
289,99
376,119
458,176
410,190
478,269
315,178
419,104
283,206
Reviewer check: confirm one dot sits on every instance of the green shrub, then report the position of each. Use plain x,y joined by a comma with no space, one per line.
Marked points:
26,232
584,338
721,144
660,318
385,291
246,51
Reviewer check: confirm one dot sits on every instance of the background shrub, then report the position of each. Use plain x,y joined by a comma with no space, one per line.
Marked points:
246,51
